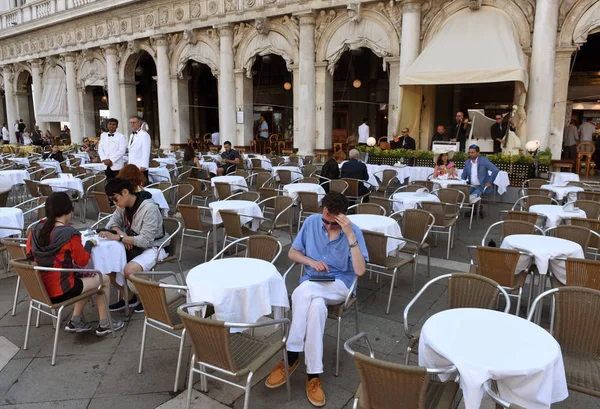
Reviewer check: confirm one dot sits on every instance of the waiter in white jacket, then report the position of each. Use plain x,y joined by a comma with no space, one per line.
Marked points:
139,145
112,148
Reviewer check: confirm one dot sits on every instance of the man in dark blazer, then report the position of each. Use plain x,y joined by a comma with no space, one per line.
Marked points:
479,171
406,141
355,169
458,131
498,132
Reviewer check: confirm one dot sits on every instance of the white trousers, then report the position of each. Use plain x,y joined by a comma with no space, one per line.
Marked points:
309,314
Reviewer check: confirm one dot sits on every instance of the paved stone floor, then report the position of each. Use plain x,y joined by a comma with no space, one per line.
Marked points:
96,373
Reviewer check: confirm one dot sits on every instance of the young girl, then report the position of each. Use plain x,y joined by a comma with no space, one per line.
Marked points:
443,167
54,243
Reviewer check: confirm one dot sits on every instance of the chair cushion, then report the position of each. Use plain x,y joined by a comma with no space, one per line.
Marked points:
583,373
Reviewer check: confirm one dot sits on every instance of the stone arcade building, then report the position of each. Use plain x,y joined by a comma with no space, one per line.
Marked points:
314,67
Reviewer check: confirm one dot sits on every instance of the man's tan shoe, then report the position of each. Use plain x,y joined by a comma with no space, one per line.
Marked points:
314,391
277,377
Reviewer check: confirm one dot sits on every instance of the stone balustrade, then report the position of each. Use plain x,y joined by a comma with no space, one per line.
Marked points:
35,10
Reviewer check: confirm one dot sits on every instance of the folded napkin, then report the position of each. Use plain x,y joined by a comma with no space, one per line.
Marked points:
569,207
422,191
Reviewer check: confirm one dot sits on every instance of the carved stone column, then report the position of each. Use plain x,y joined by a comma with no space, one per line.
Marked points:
36,84
165,104
393,94
181,108
243,93
542,67
112,79
128,104
324,106
86,107
410,48
561,89
227,122
11,101
304,140
73,99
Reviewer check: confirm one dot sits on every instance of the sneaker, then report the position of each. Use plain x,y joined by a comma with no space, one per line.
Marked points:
120,305
277,376
139,308
81,327
314,392
117,325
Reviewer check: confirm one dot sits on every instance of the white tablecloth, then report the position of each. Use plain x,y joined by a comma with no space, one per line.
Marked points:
522,357
58,184
85,158
20,161
16,177
216,157
444,183
502,182
210,166
50,164
562,178
232,180
409,200
543,248
292,190
166,161
265,163
11,217
159,198
160,174
239,206
555,214
380,224
94,167
562,192
108,256
241,289
296,172
420,173
286,159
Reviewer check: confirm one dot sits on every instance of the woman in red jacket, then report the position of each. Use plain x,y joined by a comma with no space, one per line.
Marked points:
54,243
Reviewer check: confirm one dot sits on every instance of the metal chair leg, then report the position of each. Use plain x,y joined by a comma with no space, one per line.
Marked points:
56,331
337,346
190,383
28,324
181,246
14,308
247,390
181,342
143,345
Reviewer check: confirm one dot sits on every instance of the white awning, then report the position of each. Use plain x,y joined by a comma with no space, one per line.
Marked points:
472,47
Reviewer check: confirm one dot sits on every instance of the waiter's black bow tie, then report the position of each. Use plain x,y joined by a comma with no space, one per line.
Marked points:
135,132
111,134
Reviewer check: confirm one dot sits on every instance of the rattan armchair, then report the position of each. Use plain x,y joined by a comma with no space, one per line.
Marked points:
367,208
196,226
202,190
535,183
534,191
575,324
386,384
472,201
577,234
103,204
309,170
219,352
264,179
248,196
224,189
287,176
411,188
235,229
388,181
309,205
465,290
260,246
17,249
353,192
529,217
183,195
308,179
387,204
445,219
525,202
510,227
160,310
429,184
40,301
580,273
415,225
588,195
172,227
335,185
590,207
491,389
280,216
592,224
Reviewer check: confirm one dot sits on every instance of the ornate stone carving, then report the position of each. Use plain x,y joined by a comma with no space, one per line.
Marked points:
79,36
173,40
149,20
230,6
137,23
248,4
238,33
323,20
291,23
195,10
89,32
163,17
213,34
270,1
564,7
133,47
474,4
179,14
34,45
100,31
528,9
212,7
26,48
91,72
189,36
111,27
353,12
59,40
393,11
429,10
69,37
42,43
51,61
124,26
262,26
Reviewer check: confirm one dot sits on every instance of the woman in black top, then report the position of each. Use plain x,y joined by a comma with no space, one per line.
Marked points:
55,154
331,168
190,159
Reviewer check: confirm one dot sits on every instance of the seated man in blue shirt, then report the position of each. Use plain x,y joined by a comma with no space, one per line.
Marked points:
330,247
479,171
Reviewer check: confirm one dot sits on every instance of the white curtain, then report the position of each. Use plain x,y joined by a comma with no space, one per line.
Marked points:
53,105
472,47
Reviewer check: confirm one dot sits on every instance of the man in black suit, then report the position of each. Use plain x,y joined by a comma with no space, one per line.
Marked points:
498,132
439,135
355,169
406,141
458,131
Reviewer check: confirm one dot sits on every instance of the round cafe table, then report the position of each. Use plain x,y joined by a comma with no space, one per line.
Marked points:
562,178
445,183
409,200
50,164
564,192
20,161
210,166
296,172
232,180
380,224
159,198
16,177
555,214
94,167
84,156
292,190
11,217
239,206
60,184
108,256
420,173
523,358
160,174
240,289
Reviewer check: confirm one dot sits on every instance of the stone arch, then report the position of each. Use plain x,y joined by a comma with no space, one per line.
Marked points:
202,49
91,69
582,20
516,14
372,32
282,40
131,56
21,75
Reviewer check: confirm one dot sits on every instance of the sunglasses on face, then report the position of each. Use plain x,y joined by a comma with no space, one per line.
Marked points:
333,224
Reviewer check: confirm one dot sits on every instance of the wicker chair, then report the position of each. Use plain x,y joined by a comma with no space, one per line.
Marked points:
225,189
510,227
160,310
183,195
202,190
535,191
234,229
309,179
260,246
264,179
535,183
277,161
578,234
103,204
281,215
464,291
472,201
525,202
249,196
388,181
172,227
256,164
384,202
581,273
450,195
40,301
309,205
381,263
45,190
367,208
415,225
285,176
195,226
308,159
336,311
591,208
354,188
592,224
574,324
492,391
17,249
411,188
588,195
385,384
336,185
528,217
430,185
217,351
308,170
445,218
32,187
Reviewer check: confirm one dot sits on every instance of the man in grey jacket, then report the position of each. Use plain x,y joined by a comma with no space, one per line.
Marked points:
137,223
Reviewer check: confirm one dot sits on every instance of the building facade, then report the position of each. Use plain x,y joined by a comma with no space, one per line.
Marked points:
314,69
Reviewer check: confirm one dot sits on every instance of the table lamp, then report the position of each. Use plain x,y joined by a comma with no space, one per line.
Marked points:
371,141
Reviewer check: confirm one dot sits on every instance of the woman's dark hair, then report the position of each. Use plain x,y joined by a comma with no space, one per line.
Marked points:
116,186
133,174
335,202
440,161
58,204
188,153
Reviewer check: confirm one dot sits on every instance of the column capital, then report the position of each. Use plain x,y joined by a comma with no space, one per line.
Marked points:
563,52
225,30
38,63
410,6
307,17
110,49
70,57
160,40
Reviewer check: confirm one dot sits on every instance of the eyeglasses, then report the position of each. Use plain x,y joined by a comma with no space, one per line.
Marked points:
332,224
404,131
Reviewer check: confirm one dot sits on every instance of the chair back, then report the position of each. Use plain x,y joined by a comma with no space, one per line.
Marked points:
184,193
385,384
376,244
210,340
285,176
308,170
154,299
191,216
256,163
172,227
16,247
510,227
592,224
309,202
310,180
586,148
526,202
353,187
523,216
535,183
416,224
438,210
414,188
577,322
385,203
472,291
102,202
276,161
582,273
497,264
308,159
283,211
338,185
4,197
45,190
386,177
535,191
586,195
267,192
368,208
201,187
577,234
32,280
263,179
424,183
241,173
232,223
449,195
223,189
591,208
263,247
249,196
